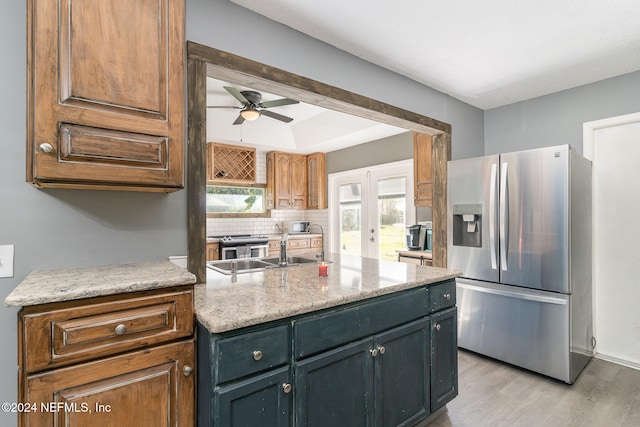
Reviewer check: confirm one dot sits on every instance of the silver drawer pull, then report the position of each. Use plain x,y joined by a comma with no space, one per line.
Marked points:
286,388
121,329
187,370
257,355
381,349
437,326
374,352
447,296
45,147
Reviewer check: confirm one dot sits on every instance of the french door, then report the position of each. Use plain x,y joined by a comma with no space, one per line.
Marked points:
370,208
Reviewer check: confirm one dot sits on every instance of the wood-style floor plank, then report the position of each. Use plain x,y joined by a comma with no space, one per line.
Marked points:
494,394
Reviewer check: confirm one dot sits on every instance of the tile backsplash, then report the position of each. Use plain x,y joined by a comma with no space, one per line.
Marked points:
279,218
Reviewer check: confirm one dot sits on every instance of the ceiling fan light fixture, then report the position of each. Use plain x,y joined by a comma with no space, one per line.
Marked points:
250,114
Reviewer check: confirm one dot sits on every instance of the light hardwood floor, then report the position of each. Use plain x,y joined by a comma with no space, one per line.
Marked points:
495,394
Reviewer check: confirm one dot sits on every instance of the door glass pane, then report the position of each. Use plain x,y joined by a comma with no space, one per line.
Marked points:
392,214
351,218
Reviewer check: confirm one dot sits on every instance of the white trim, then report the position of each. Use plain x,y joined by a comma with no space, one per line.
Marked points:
589,130
617,361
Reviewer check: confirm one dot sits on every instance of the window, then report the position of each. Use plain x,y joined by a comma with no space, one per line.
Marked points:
235,201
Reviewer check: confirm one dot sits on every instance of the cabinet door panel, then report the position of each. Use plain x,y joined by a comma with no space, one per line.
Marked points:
422,169
335,388
123,86
282,181
298,182
402,375
145,388
259,401
444,357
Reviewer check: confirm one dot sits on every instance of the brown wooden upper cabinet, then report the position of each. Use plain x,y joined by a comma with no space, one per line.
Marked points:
106,94
422,169
230,164
286,180
316,181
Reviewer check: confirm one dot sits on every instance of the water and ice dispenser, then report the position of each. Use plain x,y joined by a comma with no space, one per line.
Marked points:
467,225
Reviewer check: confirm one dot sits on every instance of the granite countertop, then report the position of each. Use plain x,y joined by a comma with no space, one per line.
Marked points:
42,287
224,303
415,254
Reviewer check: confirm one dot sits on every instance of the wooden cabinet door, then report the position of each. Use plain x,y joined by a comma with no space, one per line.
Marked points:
106,94
213,251
444,357
149,388
402,375
422,169
335,388
316,181
298,178
264,400
282,181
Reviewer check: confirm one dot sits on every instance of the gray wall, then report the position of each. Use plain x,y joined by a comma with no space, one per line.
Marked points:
557,118
385,150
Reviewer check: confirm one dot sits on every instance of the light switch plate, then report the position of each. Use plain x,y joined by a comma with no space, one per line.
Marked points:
6,261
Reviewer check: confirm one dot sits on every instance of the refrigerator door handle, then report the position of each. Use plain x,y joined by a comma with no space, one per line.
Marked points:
492,216
504,217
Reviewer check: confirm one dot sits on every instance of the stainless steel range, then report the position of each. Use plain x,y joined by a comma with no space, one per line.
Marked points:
243,246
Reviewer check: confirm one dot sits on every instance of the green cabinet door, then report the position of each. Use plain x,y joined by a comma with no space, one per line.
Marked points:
335,387
264,400
402,375
444,357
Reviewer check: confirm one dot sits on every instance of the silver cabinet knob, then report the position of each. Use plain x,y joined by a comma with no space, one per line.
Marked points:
447,296
374,352
45,147
187,370
121,329
437,326
257,355
381,349
286,388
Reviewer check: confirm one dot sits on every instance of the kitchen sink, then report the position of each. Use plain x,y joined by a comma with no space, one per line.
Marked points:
252,265
292,260
242,265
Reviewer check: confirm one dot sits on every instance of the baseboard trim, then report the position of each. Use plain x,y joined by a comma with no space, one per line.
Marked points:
618,361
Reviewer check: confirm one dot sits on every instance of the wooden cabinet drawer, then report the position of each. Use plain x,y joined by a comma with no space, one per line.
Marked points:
298,243
329,330
316,242
442,296
78,331
252,352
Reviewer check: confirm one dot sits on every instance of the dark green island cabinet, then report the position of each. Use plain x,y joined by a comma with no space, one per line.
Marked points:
384,361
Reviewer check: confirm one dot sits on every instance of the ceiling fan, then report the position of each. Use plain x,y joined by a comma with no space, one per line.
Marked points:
252,108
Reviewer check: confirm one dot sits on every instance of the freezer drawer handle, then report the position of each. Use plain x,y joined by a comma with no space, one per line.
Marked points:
518,295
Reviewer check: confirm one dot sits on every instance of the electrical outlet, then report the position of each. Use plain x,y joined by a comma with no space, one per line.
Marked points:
6,261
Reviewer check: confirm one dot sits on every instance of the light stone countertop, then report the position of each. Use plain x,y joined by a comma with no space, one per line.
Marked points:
223,304
42,287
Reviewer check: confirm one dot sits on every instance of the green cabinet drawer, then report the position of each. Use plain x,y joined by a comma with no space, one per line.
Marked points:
252,352
442,295
331,329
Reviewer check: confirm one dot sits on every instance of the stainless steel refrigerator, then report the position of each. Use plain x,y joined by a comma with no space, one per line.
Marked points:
519,229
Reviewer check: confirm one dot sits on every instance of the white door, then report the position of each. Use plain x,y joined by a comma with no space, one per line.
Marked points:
370,209
614,147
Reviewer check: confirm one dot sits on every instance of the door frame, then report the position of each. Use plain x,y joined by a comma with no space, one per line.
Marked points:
370,173
203,61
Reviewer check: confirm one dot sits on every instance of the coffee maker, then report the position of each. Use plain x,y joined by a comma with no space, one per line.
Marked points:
420,237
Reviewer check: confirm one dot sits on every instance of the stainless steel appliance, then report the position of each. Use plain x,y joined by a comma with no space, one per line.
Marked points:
244,246
299,227
519,229
420,237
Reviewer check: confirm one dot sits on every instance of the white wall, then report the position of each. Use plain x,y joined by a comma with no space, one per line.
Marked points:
615,151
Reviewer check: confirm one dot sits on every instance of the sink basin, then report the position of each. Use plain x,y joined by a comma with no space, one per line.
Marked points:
292,260
243,265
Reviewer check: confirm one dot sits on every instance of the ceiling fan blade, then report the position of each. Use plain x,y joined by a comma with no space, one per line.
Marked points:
278,103
276,116
236,94
239,120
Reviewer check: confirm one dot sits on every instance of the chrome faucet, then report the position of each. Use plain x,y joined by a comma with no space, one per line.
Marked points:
283,250
321,253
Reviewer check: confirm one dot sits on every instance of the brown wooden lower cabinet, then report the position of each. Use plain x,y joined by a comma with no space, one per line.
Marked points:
147,388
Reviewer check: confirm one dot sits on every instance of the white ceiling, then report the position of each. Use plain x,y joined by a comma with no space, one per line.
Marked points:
312,129
485,53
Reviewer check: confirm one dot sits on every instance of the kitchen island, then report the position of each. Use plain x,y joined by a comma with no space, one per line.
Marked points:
372,343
